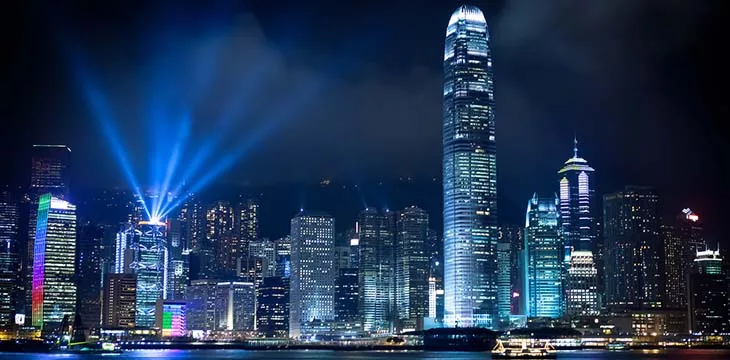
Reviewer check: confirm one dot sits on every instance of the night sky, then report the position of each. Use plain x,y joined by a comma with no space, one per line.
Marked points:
295,91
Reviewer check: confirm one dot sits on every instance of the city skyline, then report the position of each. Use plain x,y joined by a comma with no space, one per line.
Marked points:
694,144
354,243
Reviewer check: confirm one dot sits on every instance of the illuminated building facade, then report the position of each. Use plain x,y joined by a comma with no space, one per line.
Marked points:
119,300
171,318
411,267
123,251
179,255
543,258
633,248
265,251
9,258
283,257
312,290
682,239
709,292
150,264
235,305
89,274
220,240
578,230
504,286
514,235
200,297
469,172
246,224
376,232
54,285
49,174
272,307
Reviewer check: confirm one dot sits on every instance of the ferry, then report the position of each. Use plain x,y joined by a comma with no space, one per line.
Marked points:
524,352
615,345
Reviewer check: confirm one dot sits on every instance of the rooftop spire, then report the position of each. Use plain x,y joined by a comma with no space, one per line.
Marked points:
575,145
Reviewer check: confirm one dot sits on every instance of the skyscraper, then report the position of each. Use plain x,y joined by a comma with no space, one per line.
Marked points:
9,261
49,174
411,267
470,172
543,258
221,240
235,306
54,286
272,307
376,270
150,265
577,225
633,258
682,239
120,300
709,309
312,281
89,274
514,235
246,224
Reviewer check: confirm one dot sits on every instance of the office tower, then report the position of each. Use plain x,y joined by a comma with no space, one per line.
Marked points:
49,174
470,172
411,267
376,270
54,286
9,260
581,293
89,274
513,235
633,248
577,226
682,239
246,223
543,258
272,307
220,239
125,238
709,309
347,294
312,281
194,216
200,297
283,257
263,250
119,300
151,266
170,318
235,306
179,266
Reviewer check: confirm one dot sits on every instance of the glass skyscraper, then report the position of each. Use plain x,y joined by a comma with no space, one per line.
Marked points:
577,227
543,263
9,265
682,239
54,286
377,276
411,268
469,172
151,266
312,291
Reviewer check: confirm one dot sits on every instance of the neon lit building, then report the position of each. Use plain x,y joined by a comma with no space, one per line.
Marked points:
312,282
682,239
54,286
171,318
634,248
469,172
543,258
577,226
151,267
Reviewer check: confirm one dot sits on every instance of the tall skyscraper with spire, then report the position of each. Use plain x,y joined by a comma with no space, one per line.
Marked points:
577,224
469,173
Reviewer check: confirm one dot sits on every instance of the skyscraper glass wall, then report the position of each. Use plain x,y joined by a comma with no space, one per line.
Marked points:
543,258
151,266
469,172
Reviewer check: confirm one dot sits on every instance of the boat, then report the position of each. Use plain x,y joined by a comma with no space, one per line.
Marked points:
524,352
615,345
